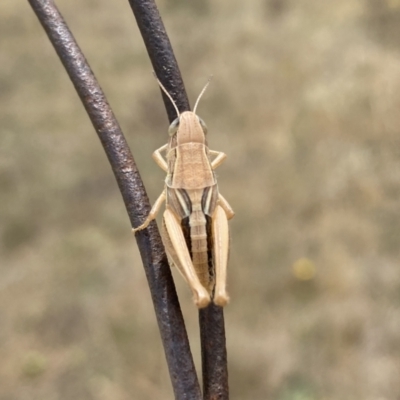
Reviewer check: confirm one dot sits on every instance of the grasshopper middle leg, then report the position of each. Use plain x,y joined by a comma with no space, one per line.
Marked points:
226,206
153,213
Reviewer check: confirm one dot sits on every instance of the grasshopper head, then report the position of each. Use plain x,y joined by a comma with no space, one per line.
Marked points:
188,128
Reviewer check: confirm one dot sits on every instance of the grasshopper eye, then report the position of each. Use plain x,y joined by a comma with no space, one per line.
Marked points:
173,128
203,125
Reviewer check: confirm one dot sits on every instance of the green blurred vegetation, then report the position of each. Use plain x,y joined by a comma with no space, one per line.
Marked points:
305,101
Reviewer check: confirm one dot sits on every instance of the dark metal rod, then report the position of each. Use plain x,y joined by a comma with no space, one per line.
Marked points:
213,353
170,321
161,54
211,319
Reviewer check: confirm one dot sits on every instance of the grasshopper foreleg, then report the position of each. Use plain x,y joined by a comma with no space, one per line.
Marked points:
159,159
153,213
217,160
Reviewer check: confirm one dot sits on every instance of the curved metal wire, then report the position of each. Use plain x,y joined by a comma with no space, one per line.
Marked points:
166,305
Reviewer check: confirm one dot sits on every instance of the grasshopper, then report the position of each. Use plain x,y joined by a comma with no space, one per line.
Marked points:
195,222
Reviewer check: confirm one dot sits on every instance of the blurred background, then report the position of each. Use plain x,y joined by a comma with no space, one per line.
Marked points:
305,102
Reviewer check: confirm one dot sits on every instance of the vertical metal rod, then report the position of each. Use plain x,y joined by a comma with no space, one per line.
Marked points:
211,319
213,353
166,305
161,54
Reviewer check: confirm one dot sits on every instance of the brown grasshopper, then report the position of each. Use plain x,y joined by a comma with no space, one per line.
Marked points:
195,222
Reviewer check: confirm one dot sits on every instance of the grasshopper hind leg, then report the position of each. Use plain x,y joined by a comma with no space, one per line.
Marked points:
177,251
220,235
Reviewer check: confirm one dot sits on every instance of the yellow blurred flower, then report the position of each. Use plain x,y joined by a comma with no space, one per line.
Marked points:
304,269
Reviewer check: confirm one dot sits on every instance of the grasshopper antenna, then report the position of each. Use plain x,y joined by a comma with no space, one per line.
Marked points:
201,93
168,95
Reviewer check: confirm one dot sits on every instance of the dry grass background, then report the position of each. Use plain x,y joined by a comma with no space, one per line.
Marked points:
305,101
